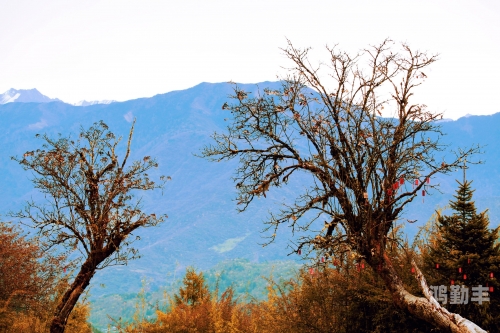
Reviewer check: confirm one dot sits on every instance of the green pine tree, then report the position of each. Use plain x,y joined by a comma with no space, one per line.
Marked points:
467,252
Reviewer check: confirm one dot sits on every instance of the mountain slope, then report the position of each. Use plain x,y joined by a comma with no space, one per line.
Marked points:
87,103
25,96
34,96
203,226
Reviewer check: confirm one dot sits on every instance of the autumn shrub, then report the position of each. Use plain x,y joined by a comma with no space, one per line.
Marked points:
39,322
195,309
31,282
347,296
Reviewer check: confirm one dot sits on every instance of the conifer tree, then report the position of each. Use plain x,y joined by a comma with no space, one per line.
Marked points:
467,252
195,289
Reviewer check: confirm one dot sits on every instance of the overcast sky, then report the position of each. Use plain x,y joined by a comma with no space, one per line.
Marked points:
121,49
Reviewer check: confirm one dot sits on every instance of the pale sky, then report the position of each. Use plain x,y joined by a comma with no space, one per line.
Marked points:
124,49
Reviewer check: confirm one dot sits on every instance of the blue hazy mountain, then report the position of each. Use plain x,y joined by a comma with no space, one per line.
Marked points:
34,96
87,103
25,96
203,227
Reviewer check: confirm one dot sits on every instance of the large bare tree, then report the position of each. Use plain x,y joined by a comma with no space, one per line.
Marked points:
90,206
363,168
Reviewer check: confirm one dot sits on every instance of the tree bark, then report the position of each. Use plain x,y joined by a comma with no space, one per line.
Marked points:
71,296
425,308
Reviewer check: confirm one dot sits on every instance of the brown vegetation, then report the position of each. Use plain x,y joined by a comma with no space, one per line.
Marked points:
334,299
31,284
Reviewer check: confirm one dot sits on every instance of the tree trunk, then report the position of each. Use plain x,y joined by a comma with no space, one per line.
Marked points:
425,308
71,296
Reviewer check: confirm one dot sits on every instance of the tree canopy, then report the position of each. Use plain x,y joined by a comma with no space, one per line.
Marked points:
90,210
363,168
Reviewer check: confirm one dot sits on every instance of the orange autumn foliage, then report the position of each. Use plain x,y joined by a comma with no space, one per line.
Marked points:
347,297
194,309
26,276
30,283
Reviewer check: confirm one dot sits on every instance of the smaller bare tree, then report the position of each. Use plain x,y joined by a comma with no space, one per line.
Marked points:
91,208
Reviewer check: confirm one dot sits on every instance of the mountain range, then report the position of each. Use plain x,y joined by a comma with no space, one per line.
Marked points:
25,96
34,96
203,227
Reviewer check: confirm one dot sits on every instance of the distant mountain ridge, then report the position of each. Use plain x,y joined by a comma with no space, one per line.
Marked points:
25,96
203,226
87,103
34,96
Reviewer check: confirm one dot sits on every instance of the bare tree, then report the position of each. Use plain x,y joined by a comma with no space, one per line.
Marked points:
359,163
90,207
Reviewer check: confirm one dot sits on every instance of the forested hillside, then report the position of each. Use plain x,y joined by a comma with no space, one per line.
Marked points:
203,229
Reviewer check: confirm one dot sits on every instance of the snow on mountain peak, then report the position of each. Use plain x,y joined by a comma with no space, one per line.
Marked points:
87,103
9,97
34,96
25,96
